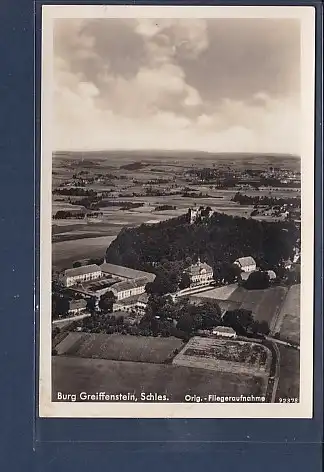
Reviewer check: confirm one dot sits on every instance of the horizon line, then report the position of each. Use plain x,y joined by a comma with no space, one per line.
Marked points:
274,153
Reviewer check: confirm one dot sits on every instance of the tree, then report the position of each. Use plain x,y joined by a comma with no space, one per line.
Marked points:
186,323
231,273
162,284
188,261
207,315
96,261
259,327
60,305
106,301
184,281
55,332
264,327
76,264
257,280
293,276
91,304
240,320
220,241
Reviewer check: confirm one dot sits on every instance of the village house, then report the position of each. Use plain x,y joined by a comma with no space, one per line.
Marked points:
200,274
272,275
287,263
77,306
246,264
81,274
224,331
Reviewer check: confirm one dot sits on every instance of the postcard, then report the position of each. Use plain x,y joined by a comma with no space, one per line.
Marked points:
177,212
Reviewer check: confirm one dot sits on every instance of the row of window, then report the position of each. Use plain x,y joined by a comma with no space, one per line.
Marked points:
130,293
82,278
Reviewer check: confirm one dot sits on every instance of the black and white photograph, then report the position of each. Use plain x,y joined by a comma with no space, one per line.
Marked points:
177,212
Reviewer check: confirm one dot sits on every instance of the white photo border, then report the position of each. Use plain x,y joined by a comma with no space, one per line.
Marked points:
303,409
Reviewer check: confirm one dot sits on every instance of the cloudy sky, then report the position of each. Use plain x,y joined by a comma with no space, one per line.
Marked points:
213,85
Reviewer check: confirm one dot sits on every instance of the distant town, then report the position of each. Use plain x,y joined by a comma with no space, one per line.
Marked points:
187,267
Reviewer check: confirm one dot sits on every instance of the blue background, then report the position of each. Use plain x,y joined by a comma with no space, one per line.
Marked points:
68,445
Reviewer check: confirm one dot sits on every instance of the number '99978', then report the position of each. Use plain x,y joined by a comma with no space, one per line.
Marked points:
288,400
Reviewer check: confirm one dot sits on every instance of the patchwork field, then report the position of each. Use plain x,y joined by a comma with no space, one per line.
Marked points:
225,355
64,253
74,375
119,347
219,293
288,386
264,304
289,319
130,184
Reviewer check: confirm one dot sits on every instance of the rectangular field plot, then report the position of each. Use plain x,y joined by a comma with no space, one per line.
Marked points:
219,293
264,304
75,375
270,304
225,355
289,318
119,347
288,386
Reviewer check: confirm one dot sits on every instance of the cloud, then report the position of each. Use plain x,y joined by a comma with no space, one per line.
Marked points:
178,84
235,126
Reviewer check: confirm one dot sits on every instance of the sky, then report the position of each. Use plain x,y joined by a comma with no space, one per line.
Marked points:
217,85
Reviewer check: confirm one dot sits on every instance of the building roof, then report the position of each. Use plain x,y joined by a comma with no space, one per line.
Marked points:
77,304
196,269
129,284
126,272
245,261
272,275
224,329
245,275
87,269
143,297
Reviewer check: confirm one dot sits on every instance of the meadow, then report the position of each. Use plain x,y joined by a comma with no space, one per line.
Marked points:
289,382
64,253
289,318
119,347
74,375
265,304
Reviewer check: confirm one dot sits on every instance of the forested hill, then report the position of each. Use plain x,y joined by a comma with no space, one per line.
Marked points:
218,241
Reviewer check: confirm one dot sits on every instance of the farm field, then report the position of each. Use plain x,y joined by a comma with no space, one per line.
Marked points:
69,236
225,355
264,304
64,253
119,347
288,386
74,375
289,318
219,293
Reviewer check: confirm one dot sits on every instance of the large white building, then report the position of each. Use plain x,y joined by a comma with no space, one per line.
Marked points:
77,306
200,274
246,264
136,304
128,288
81,274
